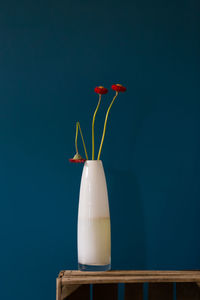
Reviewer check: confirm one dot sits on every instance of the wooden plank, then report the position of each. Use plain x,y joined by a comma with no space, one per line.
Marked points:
130,272
137,279
82,293
128,277
133,291
187,291
105,292
160,291
58,289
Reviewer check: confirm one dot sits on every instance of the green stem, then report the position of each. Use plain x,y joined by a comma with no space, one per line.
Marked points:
76,137
105,123
93,120
78,127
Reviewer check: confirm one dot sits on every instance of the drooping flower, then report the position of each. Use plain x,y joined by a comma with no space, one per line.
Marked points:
118,88
77,159
100,90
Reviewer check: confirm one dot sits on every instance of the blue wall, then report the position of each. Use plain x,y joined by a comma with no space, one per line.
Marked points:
52,55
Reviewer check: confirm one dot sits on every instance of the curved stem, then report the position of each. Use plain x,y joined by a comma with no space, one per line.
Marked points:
105,123
93,120
79,127
76,137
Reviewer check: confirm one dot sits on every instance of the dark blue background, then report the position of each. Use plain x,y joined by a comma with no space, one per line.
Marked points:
52,55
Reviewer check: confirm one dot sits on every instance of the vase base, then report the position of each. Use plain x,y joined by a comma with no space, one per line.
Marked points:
94,268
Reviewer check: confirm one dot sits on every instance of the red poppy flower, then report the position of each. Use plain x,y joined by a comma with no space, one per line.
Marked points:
118,88
100,90
77,159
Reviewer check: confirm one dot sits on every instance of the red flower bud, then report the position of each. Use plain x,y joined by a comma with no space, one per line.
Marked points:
100,90
118,88
77,159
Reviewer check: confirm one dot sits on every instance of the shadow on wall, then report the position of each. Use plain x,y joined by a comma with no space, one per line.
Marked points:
127,220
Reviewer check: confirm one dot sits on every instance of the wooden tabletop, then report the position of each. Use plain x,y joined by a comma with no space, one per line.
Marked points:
79,277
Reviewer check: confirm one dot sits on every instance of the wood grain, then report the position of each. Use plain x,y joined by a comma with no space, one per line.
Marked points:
160,291
129,272
106,284
187,291
58,289
77,277
133,291
105,292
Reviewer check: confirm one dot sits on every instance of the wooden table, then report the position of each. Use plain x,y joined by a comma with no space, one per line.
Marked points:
162,285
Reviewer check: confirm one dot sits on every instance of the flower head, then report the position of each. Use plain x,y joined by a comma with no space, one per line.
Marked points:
100,90
118,88
77,159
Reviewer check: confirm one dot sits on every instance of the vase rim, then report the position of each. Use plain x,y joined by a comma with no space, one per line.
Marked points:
93,160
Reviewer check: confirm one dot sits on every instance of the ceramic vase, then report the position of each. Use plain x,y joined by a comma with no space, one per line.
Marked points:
94,234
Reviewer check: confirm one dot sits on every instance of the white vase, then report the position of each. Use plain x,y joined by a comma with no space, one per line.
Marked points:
94,236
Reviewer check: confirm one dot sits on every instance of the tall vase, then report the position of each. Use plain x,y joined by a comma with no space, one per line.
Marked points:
94,236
